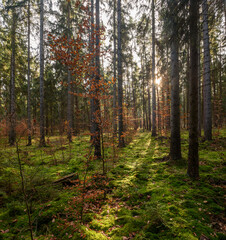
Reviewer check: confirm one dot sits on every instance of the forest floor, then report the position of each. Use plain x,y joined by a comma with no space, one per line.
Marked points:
143,196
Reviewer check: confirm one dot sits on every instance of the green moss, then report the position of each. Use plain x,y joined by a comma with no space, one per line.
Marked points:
92,235
152,198
104,223
188,204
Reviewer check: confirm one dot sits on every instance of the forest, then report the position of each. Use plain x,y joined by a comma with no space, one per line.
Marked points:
112,119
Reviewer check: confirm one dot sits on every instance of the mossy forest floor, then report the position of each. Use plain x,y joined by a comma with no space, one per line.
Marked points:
144,196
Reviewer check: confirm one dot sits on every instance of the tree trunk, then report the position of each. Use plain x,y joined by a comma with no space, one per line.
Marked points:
143,87
163,112
120,89
159,112
114,66
167,97
153,72
149,107
147,75
175,142
34,116
188,87
134,99
184,109
225,14
77,118
221,89
42,117
47,119
213,76
92,74
73,108
69,81
51,119
28,77
193,156
206,74
97,145
199,91
12,109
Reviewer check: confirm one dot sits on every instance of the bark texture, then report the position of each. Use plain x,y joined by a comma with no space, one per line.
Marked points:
206,75
175,141
28,78
114,70
199,91
42,116
120,89
92,75
153,72
69,88
97,113
167,96
12,107
193,157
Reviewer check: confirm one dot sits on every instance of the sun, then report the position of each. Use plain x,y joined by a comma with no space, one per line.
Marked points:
158,81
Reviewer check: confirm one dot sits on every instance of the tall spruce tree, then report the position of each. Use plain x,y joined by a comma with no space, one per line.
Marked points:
114,71
28,75
175,143
97,113
12,108
42,116
153,72
69,78
120,87
193,155
207,108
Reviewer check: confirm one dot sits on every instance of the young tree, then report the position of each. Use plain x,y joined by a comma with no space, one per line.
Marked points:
193,156
206,75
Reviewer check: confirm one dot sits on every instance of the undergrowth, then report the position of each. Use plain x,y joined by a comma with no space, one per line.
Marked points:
143,196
